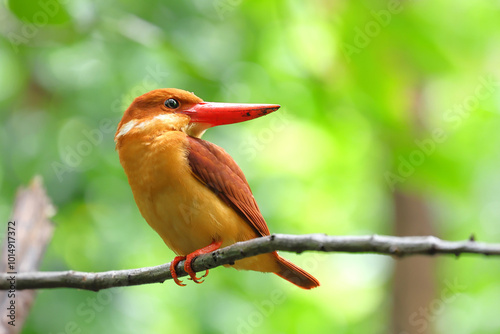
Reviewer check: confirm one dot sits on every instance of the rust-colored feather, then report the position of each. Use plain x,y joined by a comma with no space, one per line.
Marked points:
218,171
215,168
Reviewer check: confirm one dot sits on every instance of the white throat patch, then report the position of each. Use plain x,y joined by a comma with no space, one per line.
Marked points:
125,129
171,121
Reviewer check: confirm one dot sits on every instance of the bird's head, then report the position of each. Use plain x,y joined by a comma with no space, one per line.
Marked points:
176,109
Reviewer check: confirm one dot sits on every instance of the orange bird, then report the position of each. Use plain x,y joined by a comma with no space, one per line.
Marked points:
190,191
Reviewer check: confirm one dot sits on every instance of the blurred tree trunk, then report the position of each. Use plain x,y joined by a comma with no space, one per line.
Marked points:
413,288
414,277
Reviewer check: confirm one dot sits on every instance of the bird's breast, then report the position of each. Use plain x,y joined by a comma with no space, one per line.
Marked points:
181,209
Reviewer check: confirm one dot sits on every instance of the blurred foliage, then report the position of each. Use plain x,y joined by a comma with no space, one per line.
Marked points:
374,95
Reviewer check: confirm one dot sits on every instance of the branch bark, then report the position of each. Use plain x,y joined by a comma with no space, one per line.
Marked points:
385,245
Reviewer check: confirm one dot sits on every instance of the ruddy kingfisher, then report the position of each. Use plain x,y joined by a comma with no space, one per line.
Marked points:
190,191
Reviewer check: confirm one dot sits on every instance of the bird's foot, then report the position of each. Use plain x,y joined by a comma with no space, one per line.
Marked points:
173,264
190,258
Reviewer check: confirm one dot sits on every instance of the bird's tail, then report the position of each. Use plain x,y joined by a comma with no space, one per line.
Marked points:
295,275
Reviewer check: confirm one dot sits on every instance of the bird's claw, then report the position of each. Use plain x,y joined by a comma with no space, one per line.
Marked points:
192,274
189,260
173,264
197,279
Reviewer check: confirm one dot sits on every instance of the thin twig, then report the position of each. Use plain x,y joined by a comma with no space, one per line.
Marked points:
385,245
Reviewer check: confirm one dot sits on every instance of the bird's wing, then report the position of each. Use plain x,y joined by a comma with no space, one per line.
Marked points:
218,171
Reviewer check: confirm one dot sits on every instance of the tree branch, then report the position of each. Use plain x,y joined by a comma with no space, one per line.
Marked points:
385,245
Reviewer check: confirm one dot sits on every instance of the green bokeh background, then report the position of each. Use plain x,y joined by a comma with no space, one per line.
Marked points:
374,95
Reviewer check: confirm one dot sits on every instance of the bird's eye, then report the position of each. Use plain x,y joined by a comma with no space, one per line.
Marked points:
171,103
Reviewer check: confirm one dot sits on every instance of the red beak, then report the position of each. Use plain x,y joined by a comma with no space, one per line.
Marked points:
227,113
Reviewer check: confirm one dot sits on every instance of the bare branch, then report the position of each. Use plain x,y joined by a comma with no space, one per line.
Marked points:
29,231
385,245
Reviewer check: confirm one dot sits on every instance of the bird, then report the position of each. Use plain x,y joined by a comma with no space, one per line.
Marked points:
190,191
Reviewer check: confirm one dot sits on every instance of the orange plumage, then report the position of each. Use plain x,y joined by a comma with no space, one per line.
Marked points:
190,191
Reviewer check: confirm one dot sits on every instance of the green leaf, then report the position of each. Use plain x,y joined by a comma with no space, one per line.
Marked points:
39,12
